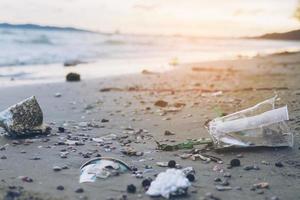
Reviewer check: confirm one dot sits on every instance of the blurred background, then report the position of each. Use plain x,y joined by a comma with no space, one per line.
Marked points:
40,39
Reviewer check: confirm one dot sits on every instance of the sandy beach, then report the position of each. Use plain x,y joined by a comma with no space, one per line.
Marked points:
113,105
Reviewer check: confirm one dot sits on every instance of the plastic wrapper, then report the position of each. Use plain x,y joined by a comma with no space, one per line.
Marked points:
261,125
101,168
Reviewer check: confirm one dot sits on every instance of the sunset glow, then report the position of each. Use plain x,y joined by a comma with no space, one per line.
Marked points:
193,17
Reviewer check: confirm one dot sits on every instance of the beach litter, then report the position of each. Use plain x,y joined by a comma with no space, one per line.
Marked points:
172,182
23,118
260,125
189,144
101,167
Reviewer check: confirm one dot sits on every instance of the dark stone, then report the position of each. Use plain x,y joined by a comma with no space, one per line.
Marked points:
131,188
3,157
60,187
278,164
146,182
11,195
217,179
79,190
172,164
73,77
235,162
190,177
61,129
104,120
161,103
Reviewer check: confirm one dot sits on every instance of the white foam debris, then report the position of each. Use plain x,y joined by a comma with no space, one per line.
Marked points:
168,182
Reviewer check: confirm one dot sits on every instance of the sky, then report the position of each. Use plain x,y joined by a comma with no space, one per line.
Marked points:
225,18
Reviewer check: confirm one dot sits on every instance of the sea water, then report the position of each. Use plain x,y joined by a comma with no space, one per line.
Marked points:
29,55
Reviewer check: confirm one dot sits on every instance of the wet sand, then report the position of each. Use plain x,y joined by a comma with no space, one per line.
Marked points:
130,103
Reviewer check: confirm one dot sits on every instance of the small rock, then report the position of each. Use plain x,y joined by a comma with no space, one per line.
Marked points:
146,182
79,190
172,164
235,163
60,187
131,188
251,167
57,95
104,120
26,179
279,164
71,77
56,168
228,175
3,157
190,177
61,129
217,179
223,188
169,133
161,103
261,185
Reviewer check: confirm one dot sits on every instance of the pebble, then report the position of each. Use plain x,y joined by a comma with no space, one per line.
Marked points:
279,164
169,133
235,163
26,179
79,190
251,167
56,168
61,129
217,179
172,164
57,94
131,188
190,177
146,182
60,187
223,188
104,120
73,77
262,185
161,103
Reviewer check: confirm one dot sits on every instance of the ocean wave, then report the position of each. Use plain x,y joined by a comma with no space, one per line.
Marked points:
41,39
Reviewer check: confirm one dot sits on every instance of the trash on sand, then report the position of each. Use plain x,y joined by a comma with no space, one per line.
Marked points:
197,156
172,182
260,125
102,167
189,144
73,77
23,118
130,151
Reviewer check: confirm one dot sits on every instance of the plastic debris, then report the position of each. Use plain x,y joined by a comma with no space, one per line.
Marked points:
172,182
23,118
102,167
189,144
260,125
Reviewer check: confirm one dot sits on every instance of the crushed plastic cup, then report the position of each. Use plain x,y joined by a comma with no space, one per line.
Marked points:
261,125
101,168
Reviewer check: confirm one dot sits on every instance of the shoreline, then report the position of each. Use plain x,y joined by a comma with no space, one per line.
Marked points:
12,76
83,103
